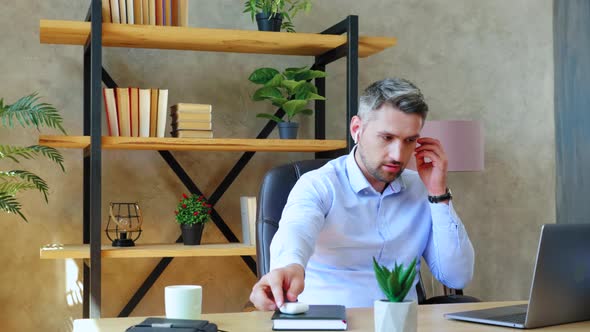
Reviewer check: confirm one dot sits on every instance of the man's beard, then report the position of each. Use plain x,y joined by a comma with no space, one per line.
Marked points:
378,173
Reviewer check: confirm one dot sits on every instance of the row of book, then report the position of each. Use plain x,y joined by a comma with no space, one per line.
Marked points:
136,112
147,12
191,120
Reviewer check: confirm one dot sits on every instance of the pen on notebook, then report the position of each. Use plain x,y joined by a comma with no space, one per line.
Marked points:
169,325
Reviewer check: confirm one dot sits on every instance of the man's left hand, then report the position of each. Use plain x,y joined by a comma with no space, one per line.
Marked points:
434,172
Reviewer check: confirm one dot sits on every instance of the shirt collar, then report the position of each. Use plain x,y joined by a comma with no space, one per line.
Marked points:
359,182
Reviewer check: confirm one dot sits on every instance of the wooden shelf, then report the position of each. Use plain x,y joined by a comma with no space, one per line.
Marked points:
63,251
200,39
194,144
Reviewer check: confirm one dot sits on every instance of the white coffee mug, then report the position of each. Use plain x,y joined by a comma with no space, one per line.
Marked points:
183,301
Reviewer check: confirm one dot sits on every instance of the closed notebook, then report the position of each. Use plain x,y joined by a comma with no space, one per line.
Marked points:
318,317
193,117
154,324
191,108
192,133
191,126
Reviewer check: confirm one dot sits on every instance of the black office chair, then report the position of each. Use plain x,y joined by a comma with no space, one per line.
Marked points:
274,191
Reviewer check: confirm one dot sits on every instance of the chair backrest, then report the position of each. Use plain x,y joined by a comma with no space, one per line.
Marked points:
274,191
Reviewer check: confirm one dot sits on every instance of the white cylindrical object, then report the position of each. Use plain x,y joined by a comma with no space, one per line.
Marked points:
396,316
183,301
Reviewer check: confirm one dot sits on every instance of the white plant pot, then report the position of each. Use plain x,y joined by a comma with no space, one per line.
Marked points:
396,316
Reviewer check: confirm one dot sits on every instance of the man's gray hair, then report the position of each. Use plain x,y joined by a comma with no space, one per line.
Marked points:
396,92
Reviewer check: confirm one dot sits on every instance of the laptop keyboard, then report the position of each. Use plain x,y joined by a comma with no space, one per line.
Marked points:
513,318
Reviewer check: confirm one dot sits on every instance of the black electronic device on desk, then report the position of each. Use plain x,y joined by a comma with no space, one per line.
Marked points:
318,317
173,325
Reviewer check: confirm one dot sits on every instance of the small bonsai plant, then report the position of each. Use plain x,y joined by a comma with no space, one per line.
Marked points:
192,210
395,283
28,112
278,9
290,90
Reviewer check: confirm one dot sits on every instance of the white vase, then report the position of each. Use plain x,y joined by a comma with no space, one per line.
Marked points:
396,316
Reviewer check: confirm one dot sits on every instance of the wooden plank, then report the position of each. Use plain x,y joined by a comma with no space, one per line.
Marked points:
202,39
194,144
81,251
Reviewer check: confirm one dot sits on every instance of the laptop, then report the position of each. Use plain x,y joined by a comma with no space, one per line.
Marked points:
560,291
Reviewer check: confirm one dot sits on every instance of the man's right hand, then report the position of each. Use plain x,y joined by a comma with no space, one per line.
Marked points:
270,291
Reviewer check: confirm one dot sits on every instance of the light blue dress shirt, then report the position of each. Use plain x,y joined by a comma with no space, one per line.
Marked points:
334,222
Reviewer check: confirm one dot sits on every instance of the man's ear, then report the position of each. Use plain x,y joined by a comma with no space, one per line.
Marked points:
355,128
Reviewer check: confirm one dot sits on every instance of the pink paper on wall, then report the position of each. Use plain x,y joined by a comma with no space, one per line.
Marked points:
462,141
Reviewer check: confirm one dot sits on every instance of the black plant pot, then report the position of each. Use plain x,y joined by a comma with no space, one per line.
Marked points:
288,130
266,24
191,234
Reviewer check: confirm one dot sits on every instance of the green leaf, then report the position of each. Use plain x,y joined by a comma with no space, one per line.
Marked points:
306,111
267,92
28,177
275,81
290,85
314,96
292,71
50,153
263,75
293,106
309,75
13,188
381,277
9,204
394,286
270,117
278,102
306,91
13,152
405,274
250,6
30,152
407,285
27,111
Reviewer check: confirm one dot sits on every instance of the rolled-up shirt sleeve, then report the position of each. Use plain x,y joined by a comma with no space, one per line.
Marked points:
449,252
301,221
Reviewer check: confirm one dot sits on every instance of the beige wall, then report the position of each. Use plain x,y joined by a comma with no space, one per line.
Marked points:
484,60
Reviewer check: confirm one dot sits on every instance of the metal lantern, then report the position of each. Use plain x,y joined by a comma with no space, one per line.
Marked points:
124,225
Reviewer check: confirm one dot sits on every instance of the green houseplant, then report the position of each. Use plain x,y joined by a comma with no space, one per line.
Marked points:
26,112
274,15
192,212
289,90
395,314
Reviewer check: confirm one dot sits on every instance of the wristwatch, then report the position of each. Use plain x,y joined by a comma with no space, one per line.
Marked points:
440,198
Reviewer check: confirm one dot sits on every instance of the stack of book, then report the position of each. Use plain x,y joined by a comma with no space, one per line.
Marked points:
136,112
147,12
191,120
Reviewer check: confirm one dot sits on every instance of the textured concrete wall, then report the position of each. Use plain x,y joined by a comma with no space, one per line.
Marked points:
484,60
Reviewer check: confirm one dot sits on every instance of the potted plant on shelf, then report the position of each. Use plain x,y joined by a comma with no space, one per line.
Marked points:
289,90
272,15
27,112
192,213
394,314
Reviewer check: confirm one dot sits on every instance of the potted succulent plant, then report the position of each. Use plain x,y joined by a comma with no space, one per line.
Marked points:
394,314
192,213
27,112
272,15
289,90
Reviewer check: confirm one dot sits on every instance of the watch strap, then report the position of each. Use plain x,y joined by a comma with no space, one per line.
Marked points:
437,199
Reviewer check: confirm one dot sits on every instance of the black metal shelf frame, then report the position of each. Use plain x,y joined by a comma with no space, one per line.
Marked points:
95,74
